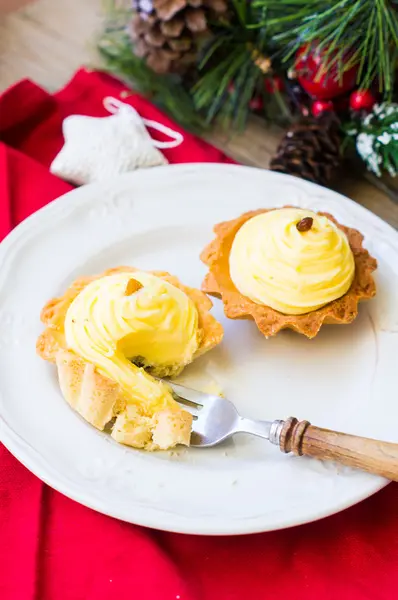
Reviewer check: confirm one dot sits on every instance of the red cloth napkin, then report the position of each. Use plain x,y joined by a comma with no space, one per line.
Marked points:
54,549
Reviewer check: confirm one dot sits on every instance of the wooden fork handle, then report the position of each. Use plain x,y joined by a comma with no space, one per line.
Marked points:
302,438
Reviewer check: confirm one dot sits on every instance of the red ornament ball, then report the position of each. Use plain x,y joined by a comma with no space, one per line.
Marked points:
362,100
320,82
321,106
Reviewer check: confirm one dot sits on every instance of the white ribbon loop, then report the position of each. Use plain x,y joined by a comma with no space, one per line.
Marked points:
115,106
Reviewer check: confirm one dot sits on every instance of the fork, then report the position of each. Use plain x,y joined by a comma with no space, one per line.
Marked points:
215,419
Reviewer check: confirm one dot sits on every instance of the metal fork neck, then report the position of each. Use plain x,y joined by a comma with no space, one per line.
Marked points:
270,430
275,431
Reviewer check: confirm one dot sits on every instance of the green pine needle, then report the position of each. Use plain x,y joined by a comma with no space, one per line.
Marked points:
362,32
228,75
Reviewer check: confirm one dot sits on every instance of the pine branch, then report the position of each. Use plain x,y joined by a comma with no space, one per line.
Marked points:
231,70
213,91
365,31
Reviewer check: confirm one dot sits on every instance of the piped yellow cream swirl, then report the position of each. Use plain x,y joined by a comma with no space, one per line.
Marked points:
158,323
274,264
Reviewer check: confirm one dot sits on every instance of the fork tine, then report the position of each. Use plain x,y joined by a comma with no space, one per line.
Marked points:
187,405
186,393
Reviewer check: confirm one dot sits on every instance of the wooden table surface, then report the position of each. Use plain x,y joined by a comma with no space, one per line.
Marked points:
48,40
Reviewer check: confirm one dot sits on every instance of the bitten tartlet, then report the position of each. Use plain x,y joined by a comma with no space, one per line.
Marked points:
289,268
111,335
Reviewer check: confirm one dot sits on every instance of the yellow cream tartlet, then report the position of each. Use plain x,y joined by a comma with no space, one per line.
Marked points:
294,272
106,329
289,268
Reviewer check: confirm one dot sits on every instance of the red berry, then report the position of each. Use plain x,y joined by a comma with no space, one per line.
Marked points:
362,100
321,106
274,84
256,103
320,82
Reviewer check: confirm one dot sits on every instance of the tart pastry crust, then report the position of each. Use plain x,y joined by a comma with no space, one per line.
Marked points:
269,321
99,399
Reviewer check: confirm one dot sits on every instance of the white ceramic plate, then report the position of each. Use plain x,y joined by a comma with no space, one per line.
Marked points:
161,218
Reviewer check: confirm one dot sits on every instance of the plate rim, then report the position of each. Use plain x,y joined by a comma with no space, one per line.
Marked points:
189,530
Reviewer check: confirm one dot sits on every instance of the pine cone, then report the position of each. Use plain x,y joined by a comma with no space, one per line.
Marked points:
166,33
310,149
